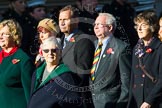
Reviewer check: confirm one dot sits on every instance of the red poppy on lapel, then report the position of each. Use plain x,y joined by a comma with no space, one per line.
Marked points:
72,39
14,61
148,50
40,52
110,51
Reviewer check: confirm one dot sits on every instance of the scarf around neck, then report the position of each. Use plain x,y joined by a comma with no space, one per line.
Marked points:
140,48
4,54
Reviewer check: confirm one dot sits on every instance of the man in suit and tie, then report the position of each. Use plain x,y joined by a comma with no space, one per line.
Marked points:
78,48
110,73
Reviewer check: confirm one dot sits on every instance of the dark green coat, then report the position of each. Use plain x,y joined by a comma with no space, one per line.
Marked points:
15,80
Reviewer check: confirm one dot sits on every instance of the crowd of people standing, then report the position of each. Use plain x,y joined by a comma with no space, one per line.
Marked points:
80,58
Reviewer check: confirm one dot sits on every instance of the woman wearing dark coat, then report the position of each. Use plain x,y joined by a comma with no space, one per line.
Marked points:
146,78
53,84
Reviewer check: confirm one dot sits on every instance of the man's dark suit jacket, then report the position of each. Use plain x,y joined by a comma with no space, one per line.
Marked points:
78,56
111,85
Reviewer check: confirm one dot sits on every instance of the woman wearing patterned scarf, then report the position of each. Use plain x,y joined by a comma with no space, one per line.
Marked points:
146,83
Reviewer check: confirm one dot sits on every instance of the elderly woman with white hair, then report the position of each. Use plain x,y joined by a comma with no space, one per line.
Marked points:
53,83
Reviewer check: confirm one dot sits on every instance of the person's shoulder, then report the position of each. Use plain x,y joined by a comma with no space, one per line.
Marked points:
119,41
68,75
70,78
121,44
20,53
21,56
81,35
64,67
157,43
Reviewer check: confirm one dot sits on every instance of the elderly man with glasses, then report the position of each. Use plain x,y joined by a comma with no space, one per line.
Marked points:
110,73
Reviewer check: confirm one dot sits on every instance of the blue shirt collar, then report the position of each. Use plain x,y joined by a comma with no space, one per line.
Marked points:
69,37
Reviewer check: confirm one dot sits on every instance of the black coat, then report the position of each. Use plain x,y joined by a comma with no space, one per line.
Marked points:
78,56
56,91
142,87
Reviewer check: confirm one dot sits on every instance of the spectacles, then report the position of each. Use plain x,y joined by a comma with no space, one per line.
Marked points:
52,50
100,25
142,26
4,35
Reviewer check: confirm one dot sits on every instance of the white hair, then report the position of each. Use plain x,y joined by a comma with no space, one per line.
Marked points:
110,19
52,40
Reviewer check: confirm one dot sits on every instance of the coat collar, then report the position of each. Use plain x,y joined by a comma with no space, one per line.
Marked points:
56,72
153,45
4,54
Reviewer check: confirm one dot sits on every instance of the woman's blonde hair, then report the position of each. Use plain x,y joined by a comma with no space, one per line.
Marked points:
160,36
14,29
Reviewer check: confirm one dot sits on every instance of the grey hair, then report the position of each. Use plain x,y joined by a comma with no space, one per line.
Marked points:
110,19
52,40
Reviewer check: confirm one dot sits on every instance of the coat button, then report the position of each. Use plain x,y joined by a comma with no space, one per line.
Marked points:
136,66
141,84
143,75
135,76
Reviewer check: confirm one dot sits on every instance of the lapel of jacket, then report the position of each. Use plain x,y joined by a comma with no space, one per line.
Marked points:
62,41
69,45
38,76
106,58
153,45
